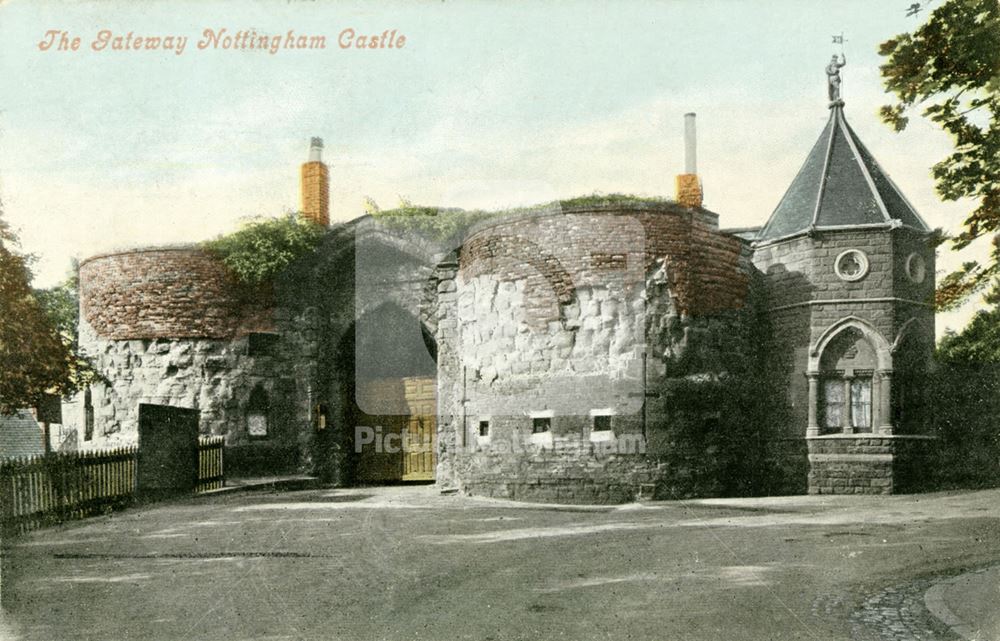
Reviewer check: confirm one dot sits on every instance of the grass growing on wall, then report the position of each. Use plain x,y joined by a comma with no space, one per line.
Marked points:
450,224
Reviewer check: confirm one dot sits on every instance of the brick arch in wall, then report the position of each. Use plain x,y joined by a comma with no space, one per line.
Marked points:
483,253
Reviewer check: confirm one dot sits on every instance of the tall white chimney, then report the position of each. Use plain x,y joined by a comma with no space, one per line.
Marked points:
689,191
690,145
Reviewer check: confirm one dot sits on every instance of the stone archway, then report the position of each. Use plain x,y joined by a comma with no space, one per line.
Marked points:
387,362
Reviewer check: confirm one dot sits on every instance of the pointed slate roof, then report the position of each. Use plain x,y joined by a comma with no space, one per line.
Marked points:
840,186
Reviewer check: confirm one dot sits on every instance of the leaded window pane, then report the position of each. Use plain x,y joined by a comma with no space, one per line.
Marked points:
861,402
833,402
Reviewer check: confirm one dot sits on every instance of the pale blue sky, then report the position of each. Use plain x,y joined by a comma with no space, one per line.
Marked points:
489,104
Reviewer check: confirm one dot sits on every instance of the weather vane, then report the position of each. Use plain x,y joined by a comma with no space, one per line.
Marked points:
916,8
833,72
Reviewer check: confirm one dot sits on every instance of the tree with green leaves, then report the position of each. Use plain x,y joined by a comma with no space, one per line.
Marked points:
62,306
34,360
950,67
979,341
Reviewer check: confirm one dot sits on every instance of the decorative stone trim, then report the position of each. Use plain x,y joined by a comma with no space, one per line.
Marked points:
916,268
861,458
840,301
851,265
872,435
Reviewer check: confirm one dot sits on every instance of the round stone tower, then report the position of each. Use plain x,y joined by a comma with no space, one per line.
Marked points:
560,321
170,326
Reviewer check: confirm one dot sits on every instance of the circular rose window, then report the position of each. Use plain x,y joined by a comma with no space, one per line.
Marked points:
851,265
916,268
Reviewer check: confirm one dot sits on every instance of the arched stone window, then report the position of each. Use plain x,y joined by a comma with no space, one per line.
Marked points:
258,410
850,381
847,368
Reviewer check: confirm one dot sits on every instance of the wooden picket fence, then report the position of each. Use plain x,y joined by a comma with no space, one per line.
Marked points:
39,491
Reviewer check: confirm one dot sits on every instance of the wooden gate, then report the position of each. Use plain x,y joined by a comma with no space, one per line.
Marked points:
405,428
168,450
421,429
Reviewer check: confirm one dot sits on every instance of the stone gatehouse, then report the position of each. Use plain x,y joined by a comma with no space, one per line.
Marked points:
549,353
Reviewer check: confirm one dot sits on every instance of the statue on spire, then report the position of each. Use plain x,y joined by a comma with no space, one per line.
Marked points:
833,78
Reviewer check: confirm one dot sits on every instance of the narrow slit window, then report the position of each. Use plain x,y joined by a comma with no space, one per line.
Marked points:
88,416
484,428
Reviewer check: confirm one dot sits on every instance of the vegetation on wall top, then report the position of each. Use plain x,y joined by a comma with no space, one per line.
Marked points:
450,224
265,247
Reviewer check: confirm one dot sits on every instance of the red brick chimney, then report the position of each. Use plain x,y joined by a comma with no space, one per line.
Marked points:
316,186
689,191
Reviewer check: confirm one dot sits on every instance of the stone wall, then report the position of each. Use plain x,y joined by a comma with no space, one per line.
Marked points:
170,326
554,314
170,292
807,297
214,376
868,465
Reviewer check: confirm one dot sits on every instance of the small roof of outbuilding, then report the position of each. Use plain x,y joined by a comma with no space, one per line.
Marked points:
839,186
20,435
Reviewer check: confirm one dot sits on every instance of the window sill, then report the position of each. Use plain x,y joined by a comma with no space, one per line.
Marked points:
868,435
543,439
602,436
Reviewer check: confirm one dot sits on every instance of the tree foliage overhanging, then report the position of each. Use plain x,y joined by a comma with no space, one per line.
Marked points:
977,344
61,304
264,247
34,358
950,66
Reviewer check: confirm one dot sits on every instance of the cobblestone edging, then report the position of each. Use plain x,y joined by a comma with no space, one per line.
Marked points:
899,613
935,602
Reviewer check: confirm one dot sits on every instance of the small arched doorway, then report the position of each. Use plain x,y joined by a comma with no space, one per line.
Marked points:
389,395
